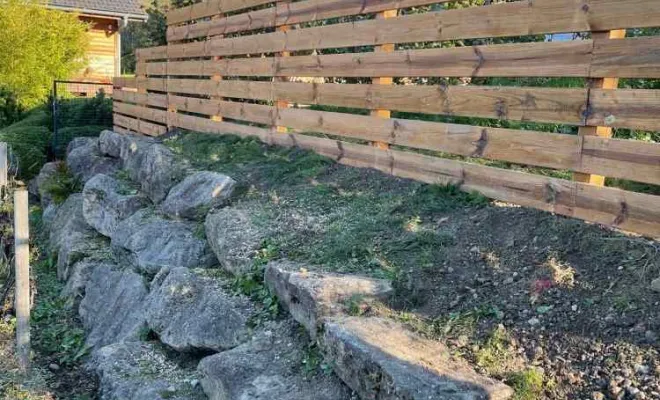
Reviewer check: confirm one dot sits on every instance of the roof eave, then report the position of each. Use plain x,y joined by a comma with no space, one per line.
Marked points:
108,14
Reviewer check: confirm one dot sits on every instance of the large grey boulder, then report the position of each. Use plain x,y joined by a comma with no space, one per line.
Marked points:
142,371
151,242
381,359
159,171
268,368
108,201
197,194
111,143
113,307
71,238
234,238
191,310
79,274
39,185
148,162
85,160
311,296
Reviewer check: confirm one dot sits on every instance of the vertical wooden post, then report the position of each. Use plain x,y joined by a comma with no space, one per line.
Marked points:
217,77
140,78
282,103
602,131
384,80
4,166
22,263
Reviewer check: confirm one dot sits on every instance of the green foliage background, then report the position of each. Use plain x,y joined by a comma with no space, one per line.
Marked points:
37,45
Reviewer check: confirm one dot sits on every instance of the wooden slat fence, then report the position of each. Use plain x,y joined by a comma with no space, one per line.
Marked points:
246,67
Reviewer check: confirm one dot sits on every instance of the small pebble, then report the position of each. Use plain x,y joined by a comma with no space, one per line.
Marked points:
53,367
534,321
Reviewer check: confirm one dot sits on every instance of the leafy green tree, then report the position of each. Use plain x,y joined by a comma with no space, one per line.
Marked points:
37,46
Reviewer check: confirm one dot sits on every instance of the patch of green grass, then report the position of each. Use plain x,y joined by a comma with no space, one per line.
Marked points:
252,284
313,361
57,333
496,355
527,384
62,184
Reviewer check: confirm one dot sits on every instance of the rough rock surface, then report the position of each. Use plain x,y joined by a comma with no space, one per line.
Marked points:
113,307
311,296
107,201
71,238
190,310
141,371
234,238
111,143
197,194
153,242
159,171
79,274
268,368
38,186
655,285
381,359
85,160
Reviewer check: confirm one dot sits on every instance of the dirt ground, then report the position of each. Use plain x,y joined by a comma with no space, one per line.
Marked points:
556,307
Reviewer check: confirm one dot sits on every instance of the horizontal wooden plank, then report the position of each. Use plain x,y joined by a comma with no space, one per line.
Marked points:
508,103
119,129
634,160
140,112
124,82
625,58
629,58
152,99
210,8
625,108
508,60
135,125
626,210
288,14
498,20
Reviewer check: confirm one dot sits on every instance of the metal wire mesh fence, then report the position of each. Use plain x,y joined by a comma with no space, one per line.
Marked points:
79,109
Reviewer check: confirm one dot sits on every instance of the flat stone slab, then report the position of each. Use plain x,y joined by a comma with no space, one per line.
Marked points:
151,242
234,238
269,367
381,359
190,310
312,296
108,201
197,194
141,371
112,310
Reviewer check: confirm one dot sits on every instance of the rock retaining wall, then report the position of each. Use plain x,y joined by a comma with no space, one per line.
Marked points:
147,250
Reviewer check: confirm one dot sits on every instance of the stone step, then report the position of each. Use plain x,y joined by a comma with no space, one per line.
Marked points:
311,296
382,359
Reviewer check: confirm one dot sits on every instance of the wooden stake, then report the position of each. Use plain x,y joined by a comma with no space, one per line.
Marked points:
3,165
602,131
384,80
22,263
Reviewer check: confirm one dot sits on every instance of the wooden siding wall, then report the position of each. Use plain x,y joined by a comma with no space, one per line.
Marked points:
103,50
244,42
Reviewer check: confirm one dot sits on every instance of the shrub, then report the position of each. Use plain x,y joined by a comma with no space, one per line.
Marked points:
66,135
38,45
28,140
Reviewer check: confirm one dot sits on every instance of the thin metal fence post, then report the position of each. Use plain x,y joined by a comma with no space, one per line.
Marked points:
54,144
4,166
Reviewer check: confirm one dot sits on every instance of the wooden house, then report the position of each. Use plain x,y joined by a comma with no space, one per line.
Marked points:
106,19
